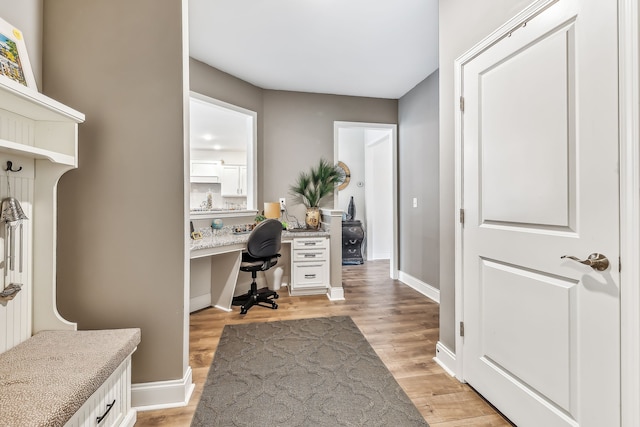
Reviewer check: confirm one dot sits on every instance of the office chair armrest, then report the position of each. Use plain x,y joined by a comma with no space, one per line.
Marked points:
268,263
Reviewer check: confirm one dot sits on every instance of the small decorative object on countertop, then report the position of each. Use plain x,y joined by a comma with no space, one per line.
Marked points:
312,218
243,228
351,210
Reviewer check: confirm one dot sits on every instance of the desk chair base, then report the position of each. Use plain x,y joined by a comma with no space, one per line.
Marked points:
256,296
262,253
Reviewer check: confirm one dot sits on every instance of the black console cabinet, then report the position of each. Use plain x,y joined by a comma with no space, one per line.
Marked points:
352,237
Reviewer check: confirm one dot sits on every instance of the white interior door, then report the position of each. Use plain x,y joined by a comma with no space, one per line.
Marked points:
378,176
540,180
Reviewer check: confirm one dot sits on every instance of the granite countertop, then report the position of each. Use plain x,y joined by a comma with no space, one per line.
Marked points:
226,238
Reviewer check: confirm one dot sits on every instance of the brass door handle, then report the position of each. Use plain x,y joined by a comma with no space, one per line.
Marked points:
595,260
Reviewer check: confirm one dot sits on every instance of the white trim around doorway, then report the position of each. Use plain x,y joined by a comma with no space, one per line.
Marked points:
629,70
337,125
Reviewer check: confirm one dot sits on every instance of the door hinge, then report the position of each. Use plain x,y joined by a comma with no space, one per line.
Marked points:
461,329
462,104
462,216
619,265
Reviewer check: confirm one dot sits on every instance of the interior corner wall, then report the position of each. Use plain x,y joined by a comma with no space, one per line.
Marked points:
219,85
26,15
298,131
462,24
418,177
121,214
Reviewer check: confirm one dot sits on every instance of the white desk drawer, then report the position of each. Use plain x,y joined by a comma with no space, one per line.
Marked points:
309,254
312,274
310,242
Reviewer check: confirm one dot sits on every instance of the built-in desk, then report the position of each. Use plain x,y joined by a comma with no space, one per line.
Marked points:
215,267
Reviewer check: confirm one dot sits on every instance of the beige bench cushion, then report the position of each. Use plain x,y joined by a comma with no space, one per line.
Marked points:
47,378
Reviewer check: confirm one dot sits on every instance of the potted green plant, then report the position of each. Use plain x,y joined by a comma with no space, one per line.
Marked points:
312,187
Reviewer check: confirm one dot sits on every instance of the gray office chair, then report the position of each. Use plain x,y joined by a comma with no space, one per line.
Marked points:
262,253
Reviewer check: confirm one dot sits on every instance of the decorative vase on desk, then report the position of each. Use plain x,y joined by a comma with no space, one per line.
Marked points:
311,188
351,210
312,218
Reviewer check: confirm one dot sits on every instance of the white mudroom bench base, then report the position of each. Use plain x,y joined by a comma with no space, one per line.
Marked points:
69,378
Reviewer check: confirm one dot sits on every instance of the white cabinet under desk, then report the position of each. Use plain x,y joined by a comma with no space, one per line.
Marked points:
309,266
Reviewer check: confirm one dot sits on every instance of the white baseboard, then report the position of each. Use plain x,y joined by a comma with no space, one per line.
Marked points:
445,358
219,307
420,286
335,294
162,394
198,303
129,419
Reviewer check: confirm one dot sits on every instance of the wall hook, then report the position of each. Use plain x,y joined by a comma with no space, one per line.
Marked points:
9,167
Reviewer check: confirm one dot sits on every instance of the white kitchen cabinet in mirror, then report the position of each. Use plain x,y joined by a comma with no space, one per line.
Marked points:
234,180
205,171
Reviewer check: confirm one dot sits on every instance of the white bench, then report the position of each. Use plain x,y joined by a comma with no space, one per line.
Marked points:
69,378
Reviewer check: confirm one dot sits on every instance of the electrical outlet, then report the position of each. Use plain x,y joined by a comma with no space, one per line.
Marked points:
283,204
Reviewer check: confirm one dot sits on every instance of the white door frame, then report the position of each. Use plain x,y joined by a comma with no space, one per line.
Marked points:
337,125
629,72
629,98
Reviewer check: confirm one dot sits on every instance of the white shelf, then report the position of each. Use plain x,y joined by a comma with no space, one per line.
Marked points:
35,106
205,180
223,214
35,152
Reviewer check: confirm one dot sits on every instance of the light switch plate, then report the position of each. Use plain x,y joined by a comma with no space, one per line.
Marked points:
415,202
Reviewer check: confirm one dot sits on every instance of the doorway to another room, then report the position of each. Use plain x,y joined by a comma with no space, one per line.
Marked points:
368,153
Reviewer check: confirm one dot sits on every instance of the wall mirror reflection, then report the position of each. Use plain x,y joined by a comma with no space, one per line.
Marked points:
222,150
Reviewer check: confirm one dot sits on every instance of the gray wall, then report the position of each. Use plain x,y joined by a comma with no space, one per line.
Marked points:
298,130
418,177
26,15
121,224
463,23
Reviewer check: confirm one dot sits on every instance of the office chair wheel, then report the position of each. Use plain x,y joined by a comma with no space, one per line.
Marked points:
274,305
276,296
243,310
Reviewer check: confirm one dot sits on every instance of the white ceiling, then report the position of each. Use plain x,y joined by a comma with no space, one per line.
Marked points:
372,48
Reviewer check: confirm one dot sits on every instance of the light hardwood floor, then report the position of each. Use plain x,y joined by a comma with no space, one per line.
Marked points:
399,323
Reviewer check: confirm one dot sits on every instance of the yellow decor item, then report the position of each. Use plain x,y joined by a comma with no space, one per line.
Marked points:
272,210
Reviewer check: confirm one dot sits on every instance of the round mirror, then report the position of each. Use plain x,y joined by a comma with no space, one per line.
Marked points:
347,176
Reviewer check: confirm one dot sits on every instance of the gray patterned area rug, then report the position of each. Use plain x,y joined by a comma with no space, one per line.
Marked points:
309,372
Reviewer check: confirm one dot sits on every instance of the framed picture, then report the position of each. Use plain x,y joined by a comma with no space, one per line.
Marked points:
14,61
